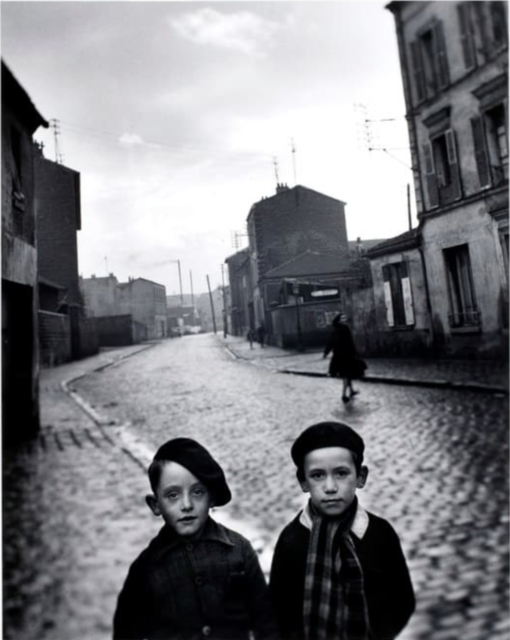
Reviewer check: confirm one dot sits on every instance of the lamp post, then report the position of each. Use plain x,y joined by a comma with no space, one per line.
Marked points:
295,291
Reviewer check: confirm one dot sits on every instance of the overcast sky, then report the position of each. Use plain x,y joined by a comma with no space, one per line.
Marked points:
173,112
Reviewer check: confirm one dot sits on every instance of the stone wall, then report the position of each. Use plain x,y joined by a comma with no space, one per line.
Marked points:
54,338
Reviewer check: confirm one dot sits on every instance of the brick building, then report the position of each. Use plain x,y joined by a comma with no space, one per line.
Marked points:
454,64
20,357
240,276
284,226
58,223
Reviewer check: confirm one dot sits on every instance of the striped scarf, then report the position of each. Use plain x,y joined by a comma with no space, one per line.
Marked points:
334,601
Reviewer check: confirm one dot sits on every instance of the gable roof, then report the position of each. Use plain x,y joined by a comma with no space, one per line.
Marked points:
408,240
315,263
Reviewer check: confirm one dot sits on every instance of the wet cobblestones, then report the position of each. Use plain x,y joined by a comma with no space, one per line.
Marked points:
438,471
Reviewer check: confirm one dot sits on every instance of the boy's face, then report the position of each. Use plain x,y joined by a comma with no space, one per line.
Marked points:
182,500
331,479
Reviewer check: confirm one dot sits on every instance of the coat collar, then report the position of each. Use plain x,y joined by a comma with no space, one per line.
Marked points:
213,531
359,525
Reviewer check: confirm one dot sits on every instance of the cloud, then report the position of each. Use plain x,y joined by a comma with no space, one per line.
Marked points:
242,31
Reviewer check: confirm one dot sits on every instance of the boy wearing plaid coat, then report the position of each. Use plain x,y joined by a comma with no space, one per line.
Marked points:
338,572
197,578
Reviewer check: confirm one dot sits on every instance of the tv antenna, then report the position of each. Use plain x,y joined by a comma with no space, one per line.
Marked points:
293,149
55,125
275,163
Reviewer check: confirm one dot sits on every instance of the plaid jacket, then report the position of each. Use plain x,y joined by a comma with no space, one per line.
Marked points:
388,589
213,587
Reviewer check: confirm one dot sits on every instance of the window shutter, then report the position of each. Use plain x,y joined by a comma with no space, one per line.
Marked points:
451,151
430,175
419,75
407,293
482,160
466,35
387,295
442,61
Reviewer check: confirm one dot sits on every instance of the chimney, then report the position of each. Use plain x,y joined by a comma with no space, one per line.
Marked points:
280,187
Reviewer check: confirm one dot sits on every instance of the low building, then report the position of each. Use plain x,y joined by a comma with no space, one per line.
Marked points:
305,294
401,295
145,301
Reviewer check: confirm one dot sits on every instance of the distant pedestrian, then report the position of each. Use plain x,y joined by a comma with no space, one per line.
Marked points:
196,578
338,571
261,333
345,362
250,337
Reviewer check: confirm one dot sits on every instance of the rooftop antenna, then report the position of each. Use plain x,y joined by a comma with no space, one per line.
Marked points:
275,162
106,264
293,149
55,125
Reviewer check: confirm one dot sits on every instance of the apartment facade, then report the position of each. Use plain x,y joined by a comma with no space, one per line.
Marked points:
454,64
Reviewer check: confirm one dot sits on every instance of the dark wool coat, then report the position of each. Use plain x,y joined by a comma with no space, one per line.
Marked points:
345,362
183,590
388,589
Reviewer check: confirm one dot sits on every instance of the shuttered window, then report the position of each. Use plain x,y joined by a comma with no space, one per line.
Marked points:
430,62
397,295
464,10
490,141
442,171
463,309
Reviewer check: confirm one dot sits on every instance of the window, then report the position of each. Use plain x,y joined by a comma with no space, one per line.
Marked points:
442,169
491,27
430,65
397,294
463,310
467,33
491,146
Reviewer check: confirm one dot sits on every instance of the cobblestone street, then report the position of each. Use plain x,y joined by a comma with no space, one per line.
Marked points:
74,510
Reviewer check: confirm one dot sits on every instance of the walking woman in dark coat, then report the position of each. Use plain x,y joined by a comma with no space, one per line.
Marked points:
345,362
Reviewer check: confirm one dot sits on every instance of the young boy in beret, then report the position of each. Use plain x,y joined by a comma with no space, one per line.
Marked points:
196,578
338,572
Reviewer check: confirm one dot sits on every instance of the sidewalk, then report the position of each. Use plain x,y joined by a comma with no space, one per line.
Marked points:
470,375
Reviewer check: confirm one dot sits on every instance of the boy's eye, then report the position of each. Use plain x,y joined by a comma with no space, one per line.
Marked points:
316,475
172,495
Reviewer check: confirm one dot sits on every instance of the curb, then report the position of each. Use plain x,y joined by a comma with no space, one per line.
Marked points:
412,382
404,382
130,444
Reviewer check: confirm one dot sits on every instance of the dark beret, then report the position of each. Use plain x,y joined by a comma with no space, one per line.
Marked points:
200,463
326,434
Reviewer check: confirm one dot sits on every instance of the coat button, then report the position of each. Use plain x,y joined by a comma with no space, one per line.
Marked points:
206,631
189,547
199,580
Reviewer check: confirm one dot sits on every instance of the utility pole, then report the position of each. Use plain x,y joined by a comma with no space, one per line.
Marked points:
191,286
224,302
212,304
180,282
